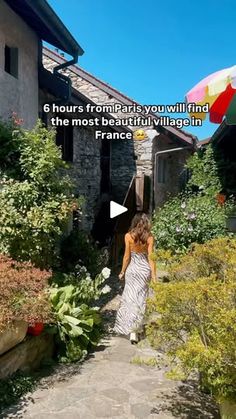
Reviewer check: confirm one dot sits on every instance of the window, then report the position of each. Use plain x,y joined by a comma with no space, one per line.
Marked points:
11,61
161,170
64,140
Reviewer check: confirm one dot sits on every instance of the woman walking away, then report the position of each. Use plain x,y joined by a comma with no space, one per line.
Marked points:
137,270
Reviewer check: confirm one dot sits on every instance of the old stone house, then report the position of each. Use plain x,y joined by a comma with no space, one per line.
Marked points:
24,24
138,174
104,169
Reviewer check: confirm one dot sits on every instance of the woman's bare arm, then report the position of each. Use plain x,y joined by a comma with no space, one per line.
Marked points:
151,262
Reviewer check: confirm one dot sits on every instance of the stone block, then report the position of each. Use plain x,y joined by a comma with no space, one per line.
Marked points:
13,335
27,355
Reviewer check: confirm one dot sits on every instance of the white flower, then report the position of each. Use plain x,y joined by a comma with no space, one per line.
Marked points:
190,228
105,289
106,272
183,205
178,229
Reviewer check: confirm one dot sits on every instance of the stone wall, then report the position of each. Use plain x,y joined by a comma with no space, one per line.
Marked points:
27,356
19,94
86,172
139,151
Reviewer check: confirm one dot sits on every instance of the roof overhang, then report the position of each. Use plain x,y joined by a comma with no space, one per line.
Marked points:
44,21
78,98
179,136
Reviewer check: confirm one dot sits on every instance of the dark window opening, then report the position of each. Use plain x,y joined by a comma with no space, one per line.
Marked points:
11,61
161,170
64,140
43,117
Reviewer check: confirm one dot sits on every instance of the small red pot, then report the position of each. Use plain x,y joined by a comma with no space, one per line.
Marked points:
35,330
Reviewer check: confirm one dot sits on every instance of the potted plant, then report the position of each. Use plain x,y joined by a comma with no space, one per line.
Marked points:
23,300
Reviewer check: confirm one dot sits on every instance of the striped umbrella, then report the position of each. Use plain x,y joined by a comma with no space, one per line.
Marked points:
219,91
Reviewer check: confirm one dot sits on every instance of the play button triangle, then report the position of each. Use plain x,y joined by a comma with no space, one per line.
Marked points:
116,209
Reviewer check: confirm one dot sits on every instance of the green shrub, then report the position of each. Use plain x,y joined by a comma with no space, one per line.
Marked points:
79,249
188,219
195,215
35,198
204,172
9,146
196,322
216,257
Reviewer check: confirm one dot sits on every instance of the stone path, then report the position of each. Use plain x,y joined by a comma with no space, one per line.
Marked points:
115,383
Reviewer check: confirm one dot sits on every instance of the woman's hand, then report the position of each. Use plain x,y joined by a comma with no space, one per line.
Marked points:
121,276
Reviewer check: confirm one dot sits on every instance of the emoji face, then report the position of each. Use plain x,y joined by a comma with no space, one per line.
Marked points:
139,134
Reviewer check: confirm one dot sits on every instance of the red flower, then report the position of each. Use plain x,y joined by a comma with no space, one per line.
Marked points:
221,198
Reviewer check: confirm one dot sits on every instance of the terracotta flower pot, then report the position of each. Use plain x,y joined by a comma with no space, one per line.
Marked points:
35,330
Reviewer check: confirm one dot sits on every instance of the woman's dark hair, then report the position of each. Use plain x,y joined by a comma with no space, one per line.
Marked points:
140,228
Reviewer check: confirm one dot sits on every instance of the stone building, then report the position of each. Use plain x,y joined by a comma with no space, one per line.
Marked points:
105,168
24,24
130,172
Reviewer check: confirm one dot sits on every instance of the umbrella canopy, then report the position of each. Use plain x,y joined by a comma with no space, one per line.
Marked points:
219,91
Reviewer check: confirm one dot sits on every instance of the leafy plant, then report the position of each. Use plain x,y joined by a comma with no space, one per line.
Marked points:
78,326
204,172
23,293
35,197
216,257
79,249
9,158
150,362
194,216
88,289
196,322
13,388
188,219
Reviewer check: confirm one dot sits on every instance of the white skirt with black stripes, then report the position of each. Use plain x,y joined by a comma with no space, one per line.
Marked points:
131,312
